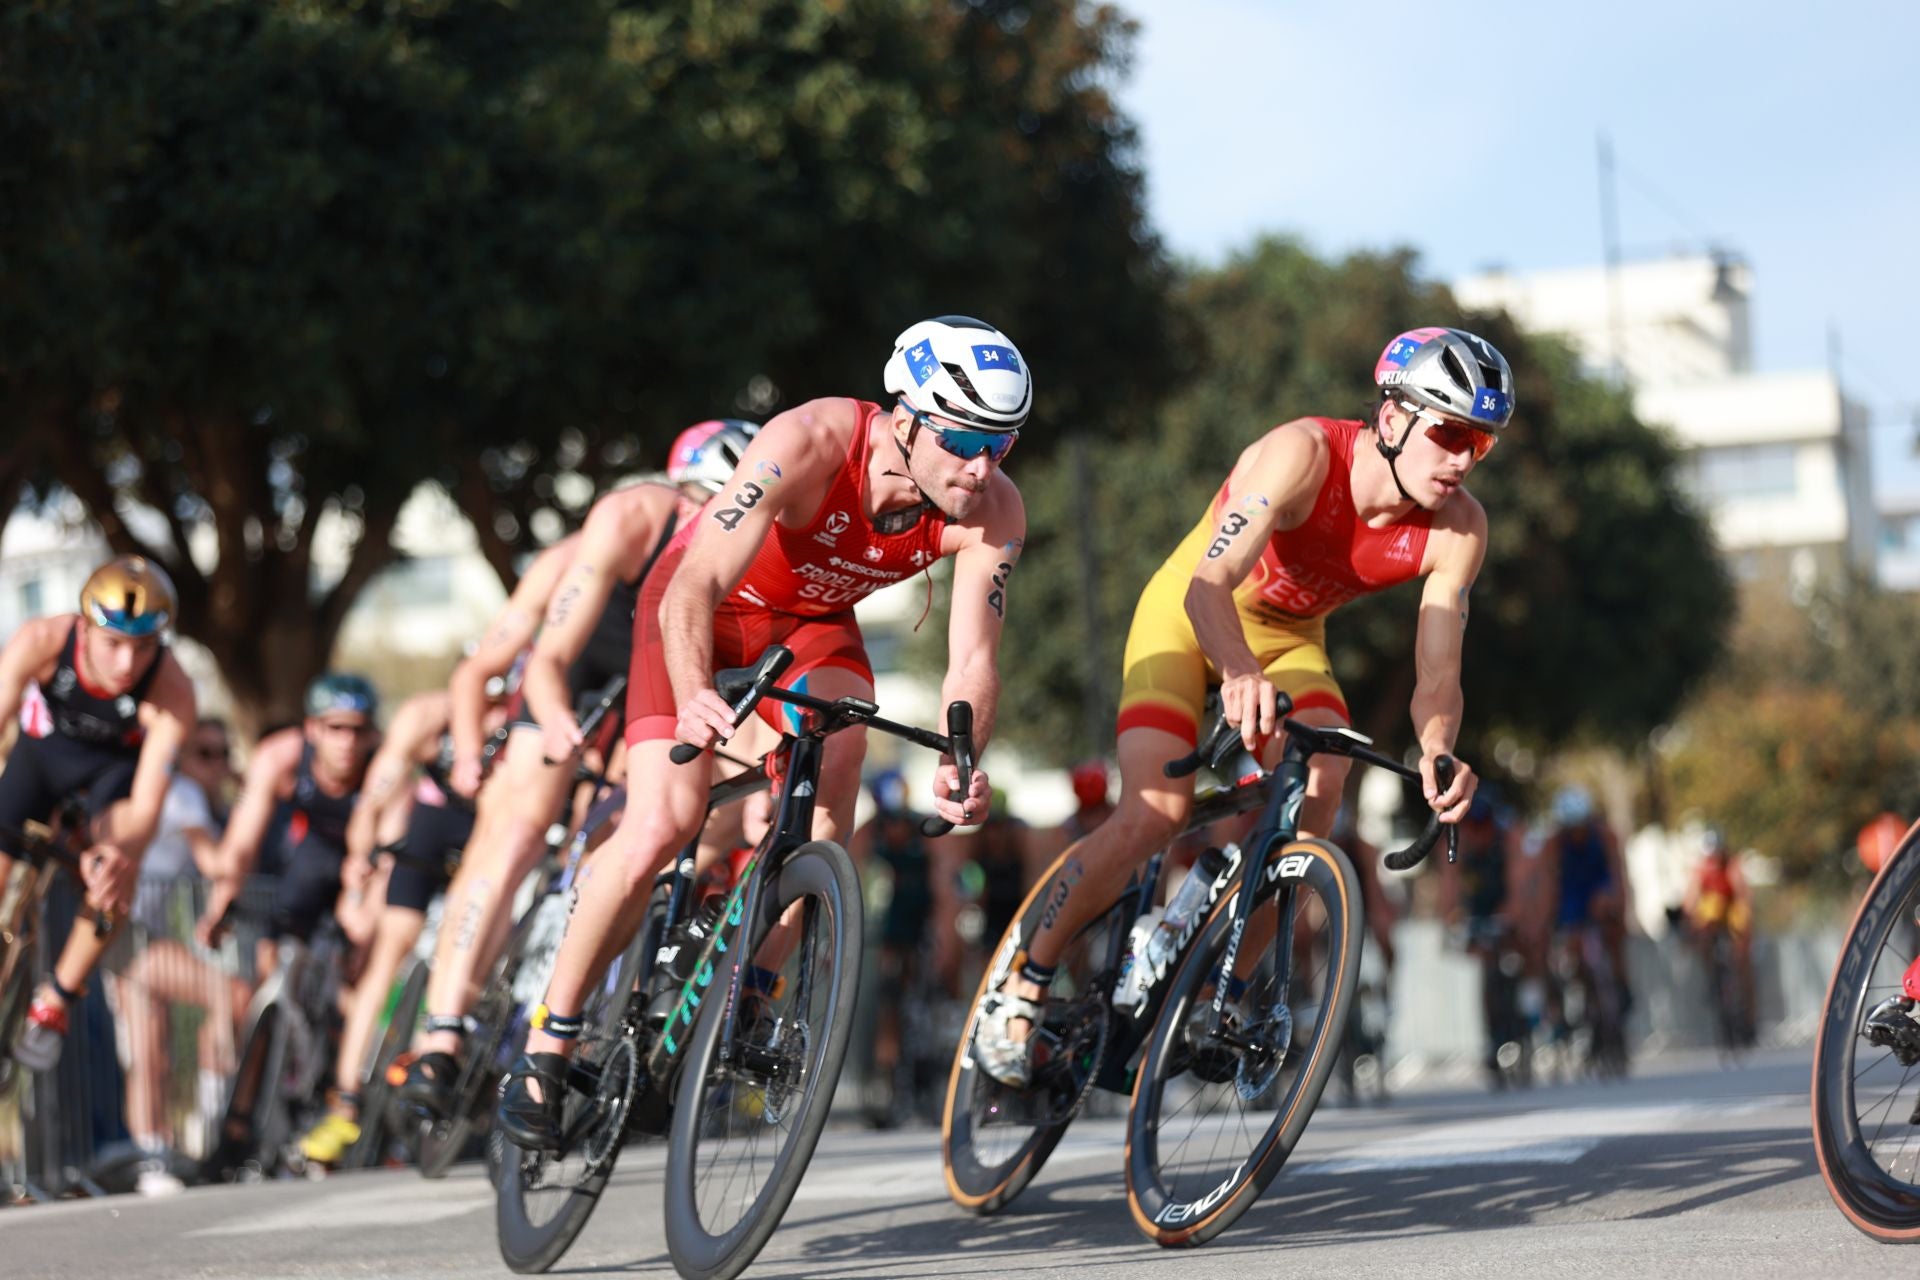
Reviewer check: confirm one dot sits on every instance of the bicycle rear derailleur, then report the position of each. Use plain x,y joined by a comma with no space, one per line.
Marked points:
1892,1026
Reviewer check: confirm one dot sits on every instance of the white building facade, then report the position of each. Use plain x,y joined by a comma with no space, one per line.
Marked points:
1780,462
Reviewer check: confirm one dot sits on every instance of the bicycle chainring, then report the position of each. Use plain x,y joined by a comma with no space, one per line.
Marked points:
619,1072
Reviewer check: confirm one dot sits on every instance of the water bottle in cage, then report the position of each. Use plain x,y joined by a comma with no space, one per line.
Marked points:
1135,971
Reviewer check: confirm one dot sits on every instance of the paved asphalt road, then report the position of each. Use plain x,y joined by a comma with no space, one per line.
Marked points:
1687,1170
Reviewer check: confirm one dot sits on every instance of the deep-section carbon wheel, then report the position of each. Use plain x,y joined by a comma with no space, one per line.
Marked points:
1214,1116
759,1078
1866,1065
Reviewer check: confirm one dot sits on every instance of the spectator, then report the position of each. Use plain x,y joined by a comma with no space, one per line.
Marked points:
184,850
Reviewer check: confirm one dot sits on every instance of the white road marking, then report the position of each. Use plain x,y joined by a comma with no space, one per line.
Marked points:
1532,1137
397,1202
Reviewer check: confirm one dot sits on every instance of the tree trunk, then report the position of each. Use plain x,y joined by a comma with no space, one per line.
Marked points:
478,502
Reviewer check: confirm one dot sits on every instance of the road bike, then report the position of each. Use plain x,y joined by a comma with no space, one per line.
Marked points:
46,850
1866,1063
519,975
742,1049
1221,1081
284,1060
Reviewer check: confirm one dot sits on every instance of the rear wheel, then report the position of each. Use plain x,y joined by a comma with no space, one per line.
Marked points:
752,1104
995,1139
1214,1118
1866,1064
544,1198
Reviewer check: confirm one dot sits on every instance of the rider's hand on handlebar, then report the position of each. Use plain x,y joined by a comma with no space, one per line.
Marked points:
465,776
110,877
559,740
704,719
211,926
966,812
1451,806
1250,703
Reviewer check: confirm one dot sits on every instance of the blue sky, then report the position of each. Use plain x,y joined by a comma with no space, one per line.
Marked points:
1467,131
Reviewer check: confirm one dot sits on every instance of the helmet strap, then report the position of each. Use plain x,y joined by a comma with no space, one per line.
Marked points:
906,517
1391,452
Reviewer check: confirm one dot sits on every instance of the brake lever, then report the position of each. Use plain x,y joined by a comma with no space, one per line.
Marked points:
1416,853
960,747
773,665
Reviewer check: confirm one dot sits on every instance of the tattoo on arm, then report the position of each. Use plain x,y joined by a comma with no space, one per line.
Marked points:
503,631
997,598
1234,525
563,605
745,499
383,782
1463,606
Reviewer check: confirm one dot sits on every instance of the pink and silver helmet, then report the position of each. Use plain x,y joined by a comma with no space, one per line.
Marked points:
706,453
1449,371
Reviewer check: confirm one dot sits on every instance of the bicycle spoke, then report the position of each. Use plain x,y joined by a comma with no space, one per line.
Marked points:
750,1102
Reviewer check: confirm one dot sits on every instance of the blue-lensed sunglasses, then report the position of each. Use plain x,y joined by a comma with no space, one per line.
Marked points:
964,443
126,623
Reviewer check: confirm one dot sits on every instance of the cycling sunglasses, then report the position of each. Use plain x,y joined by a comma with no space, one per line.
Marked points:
1454,437
964,442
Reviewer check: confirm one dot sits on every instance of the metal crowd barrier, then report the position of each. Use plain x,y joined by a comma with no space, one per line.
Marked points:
143,1075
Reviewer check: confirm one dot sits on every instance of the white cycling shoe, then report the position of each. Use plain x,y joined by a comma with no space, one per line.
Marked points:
995,1051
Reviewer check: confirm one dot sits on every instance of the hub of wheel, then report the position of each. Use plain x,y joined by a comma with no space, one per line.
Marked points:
1267,1044
792,1040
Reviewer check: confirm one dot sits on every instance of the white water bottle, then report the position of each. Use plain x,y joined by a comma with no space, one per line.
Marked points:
1135,971
1187,901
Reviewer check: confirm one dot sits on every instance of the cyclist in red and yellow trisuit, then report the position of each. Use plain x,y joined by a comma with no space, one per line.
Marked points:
1314,513
1719,897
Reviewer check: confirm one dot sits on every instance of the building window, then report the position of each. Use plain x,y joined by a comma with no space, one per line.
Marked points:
1744,471
30,598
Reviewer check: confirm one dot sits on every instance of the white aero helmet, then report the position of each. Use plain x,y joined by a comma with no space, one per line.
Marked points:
1449,371
706,453
963,369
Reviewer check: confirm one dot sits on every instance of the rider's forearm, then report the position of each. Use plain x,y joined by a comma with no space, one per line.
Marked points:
467,709
1436,708
686,634
976,682
1216,625
360,832
544,682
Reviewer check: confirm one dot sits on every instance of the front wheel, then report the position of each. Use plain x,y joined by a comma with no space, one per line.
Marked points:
255,1127
759,1078
1214,1117
377,1130
1866,1064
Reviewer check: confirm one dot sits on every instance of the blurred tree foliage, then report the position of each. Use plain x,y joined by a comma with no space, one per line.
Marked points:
1601,603
1811,729
268,259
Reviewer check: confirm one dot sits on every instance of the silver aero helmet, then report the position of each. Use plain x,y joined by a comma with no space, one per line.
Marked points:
705,454
961,369
1449,371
